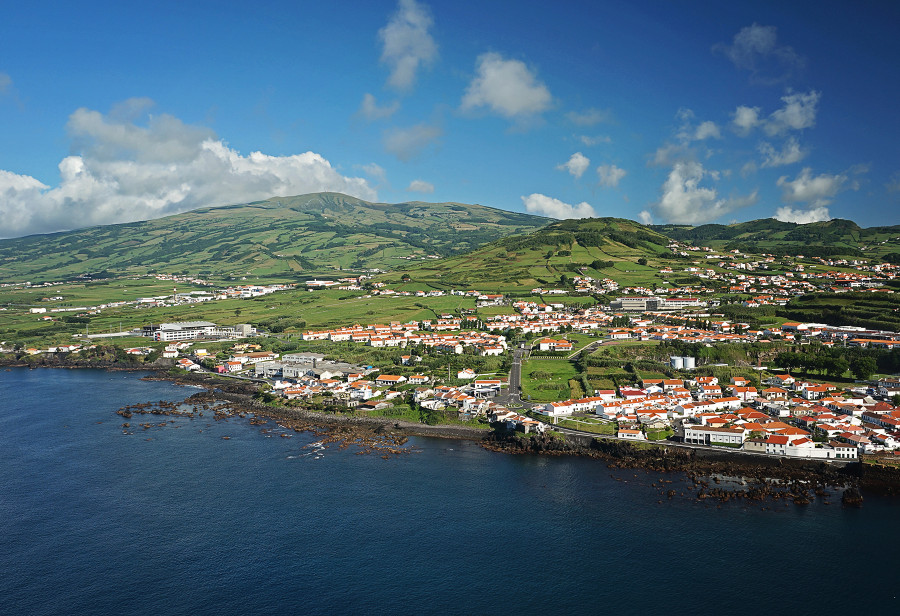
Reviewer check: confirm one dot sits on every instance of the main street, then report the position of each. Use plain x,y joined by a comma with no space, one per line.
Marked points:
513,396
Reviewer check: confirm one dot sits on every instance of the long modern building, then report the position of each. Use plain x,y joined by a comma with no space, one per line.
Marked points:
193,330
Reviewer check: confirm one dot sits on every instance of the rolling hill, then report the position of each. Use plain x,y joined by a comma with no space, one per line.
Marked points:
622,249
287,237
836,237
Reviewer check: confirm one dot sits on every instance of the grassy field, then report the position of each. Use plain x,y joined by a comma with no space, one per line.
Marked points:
287,311
587,424
546,380
547,258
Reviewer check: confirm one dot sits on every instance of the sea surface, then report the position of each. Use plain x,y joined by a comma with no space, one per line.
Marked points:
178,520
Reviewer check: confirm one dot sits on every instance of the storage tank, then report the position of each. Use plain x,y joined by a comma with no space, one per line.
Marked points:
677,362
689,363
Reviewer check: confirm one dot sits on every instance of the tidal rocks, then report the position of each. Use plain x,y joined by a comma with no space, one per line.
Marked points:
852,497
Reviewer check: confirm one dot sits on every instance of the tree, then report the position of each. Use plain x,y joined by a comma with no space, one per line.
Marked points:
863,366
836,366
642,261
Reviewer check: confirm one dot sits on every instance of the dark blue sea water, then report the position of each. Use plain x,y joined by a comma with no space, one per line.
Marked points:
177,520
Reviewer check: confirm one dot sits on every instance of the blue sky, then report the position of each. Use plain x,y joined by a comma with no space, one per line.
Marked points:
687,112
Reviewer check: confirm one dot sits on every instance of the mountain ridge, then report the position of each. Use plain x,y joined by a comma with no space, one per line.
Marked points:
282,236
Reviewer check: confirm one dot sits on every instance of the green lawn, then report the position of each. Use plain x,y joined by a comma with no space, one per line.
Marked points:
586,425
546,380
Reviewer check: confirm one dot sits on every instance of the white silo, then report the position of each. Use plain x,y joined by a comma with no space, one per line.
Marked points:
677,362
689,363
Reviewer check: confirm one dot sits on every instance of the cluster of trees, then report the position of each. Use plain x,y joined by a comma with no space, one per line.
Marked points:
599,264
873,311
832,362
277,325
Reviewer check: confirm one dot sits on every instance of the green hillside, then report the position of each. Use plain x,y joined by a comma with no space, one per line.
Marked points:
623,250
836,237
285,237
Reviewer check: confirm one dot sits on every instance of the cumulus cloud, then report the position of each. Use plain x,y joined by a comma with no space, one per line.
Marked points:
815,190
799,112
589,117
745,119
685,201
790,153
707,130
420,186
407,143
801,216
687,132
407,43
506,87
756,49
610,175
646,217
670,153
893,184
125,172
576,165
591,141
370,110
543,205
374,170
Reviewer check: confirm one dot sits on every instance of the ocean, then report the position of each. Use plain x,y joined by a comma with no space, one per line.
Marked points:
178,520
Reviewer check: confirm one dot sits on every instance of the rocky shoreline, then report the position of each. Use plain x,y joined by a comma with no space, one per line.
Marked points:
241,394
762,480
721,477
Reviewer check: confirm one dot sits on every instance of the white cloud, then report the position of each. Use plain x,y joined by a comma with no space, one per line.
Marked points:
799,112
646,217
5,83
420,186
789,214
669,154
756,49
610,175
595,140
506,87
707,130
745,119
126,172
576,165
370,110
893,184
748,169
374,170
537,203
684,201
687,132
790,153
818,190
407,44
589,117
407,143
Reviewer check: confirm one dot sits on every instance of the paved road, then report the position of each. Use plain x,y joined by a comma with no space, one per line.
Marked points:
513,395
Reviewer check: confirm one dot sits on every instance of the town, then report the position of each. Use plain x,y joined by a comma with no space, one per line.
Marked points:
545,362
